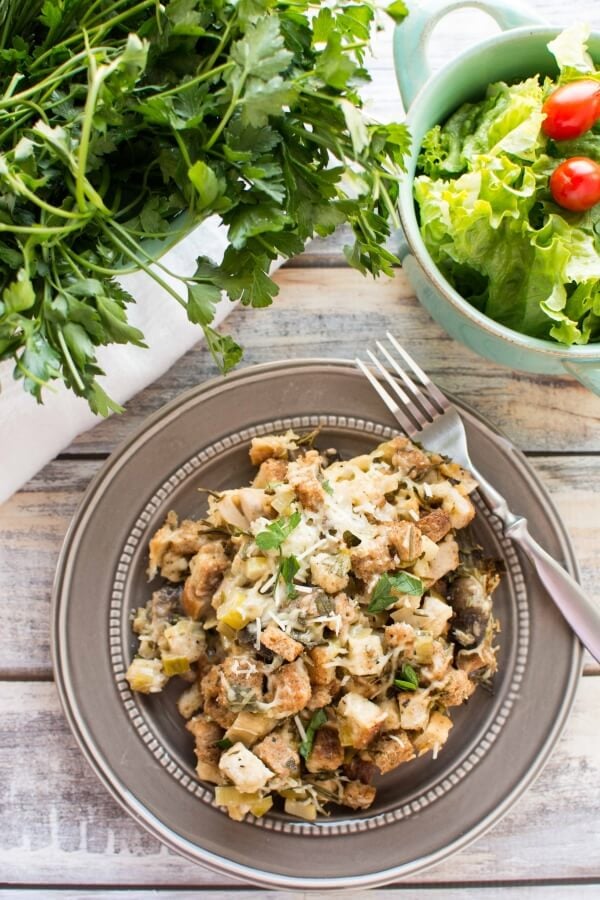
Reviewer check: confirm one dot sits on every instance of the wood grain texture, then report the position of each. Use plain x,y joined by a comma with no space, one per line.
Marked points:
60,826
336,313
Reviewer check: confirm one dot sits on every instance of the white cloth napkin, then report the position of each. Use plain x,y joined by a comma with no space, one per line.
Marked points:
32,434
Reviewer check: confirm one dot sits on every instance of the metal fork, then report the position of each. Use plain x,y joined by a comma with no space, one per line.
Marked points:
425,413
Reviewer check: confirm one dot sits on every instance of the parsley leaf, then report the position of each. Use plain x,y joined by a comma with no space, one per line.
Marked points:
275,534
319,718
224,743
402,583
288,569
408,680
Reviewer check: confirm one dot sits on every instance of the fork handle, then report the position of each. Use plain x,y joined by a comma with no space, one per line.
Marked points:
580,611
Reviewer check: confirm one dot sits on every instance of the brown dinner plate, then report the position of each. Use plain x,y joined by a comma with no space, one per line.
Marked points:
138,745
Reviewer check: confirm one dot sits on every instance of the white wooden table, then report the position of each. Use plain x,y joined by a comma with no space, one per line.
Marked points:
61,834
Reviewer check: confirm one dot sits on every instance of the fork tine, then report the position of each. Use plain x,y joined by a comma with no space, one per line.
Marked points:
421,398
409,407
434,391
389,401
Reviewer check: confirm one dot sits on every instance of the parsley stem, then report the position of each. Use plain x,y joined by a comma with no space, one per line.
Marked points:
141,264
196,80
69,360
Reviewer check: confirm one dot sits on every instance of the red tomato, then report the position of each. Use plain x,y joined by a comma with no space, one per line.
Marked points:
575,184
572,110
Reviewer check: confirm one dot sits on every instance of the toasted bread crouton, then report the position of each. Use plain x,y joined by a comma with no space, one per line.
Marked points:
357,795
330,571
244,769
215,699
457,688
322,695
172,546
190,701
279,754
360,720
271,471
327,753
206,734
389,751
435,735
320,673
408,459
290,688
281,643
401,635
435,525
206,572
405,539
371,558
272,446
303,476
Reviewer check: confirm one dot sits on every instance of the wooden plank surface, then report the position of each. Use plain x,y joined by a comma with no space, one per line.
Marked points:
60,826
334,312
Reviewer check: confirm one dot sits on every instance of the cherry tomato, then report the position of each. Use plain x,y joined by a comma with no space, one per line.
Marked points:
575,184
572,110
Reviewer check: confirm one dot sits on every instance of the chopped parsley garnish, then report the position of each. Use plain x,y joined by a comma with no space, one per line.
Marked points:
318,719
408,680
288,569
275,534
224,744
401,583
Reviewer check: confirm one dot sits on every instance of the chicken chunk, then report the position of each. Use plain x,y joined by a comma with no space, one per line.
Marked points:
303,476
279,754
271,471
327,753
244,769
446,560
281,643
360,720
371,558
206,572
435,525
290,689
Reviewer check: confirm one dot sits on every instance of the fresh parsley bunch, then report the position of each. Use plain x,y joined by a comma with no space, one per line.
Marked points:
124,123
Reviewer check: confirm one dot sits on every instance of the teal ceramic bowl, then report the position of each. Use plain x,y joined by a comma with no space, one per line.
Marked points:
519,51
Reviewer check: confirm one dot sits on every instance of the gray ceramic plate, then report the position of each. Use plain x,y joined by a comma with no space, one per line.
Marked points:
425,810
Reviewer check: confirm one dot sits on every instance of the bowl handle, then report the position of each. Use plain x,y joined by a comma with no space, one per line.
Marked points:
412,36
588,373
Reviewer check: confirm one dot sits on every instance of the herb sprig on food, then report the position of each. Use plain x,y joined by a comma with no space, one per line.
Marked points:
123,124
